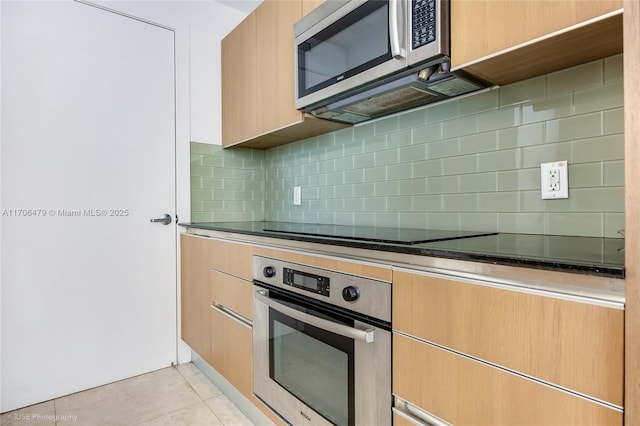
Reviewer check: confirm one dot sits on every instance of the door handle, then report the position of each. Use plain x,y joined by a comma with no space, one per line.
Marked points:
165,220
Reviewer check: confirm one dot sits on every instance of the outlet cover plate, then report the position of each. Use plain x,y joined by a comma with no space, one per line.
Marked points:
297,195
554,180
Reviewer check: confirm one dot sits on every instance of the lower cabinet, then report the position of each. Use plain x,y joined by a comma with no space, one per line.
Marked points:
475,352
231,331
461,390
195,255
216,301
231,350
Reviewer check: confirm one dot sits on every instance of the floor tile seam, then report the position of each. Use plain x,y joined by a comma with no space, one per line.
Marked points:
196,390
214,411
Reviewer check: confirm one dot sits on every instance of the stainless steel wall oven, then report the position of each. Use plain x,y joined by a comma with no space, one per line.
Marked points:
322,344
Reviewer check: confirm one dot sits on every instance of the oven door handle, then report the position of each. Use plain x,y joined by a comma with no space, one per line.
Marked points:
343,330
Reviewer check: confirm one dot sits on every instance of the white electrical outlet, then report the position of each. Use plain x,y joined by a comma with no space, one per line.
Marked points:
297,195
554,180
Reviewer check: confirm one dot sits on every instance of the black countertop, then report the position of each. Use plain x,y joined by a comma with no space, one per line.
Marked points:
586,255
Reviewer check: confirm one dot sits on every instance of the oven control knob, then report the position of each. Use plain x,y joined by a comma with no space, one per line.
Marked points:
350,293
269,271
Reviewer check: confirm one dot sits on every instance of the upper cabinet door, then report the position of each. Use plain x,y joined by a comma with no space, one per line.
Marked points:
309,5
258,81
276,90
239,83
500,40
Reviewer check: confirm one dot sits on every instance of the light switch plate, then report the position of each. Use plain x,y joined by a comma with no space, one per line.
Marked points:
554,180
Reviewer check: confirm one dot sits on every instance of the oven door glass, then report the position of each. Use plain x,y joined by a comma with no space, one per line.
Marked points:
314,365
355,43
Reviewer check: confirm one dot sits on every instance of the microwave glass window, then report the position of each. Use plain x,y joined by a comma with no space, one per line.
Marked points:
314,365
353,44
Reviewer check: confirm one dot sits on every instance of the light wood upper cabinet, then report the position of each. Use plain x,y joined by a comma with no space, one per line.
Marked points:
258,82
309,5
504,41
239,82
575,345
276,91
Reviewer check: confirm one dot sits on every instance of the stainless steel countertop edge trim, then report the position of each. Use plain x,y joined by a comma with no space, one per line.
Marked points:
514,285
514,372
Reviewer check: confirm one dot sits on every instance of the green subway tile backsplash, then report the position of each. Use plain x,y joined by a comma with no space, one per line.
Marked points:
470,163
226,185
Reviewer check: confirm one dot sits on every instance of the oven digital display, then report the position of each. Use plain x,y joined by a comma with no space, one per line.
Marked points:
310,282
305,281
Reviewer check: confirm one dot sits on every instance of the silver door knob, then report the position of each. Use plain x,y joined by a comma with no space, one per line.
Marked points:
165,220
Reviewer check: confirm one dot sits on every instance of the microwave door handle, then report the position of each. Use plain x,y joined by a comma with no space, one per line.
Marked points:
343,330
395,30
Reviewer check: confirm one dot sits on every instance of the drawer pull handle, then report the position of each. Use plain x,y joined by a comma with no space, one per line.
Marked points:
416,415
231,314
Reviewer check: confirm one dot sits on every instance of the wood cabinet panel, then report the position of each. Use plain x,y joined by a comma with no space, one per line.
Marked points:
275,93
575,345
239,82
309,5
195,311
463,391
632,209
365,270
503,24
232,351
506,41
234,293
232,258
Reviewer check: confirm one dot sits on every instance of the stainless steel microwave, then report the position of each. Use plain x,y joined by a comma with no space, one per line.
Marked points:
359,59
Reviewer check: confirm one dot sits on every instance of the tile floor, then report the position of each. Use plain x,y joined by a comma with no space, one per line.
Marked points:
174,396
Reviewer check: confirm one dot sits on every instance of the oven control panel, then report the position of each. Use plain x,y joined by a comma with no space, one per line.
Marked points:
310,282
352,292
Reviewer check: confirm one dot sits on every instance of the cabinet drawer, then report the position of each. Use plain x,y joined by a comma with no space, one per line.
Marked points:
232,258
234,293
464,391
575,345
232,351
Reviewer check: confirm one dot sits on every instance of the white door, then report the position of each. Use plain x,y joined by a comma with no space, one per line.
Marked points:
88,158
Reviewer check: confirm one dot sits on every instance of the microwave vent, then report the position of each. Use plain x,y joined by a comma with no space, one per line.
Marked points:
406,97
454,86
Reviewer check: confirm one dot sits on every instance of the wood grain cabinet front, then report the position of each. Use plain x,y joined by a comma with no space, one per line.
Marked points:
231,351
503,41
464,391
195,255
231,297
258,81
574,346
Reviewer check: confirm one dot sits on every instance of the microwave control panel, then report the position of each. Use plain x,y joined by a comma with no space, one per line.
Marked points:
423,22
